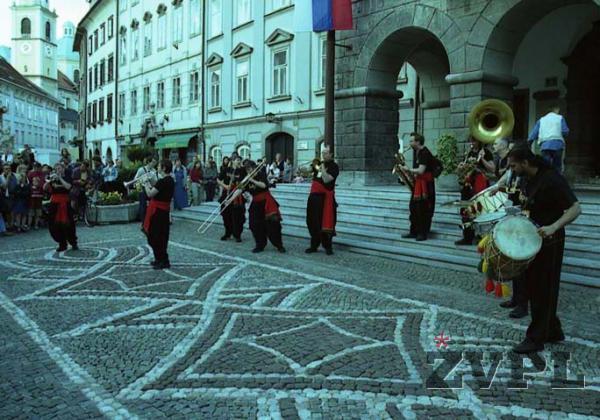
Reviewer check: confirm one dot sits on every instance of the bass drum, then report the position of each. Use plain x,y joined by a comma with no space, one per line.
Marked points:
514,244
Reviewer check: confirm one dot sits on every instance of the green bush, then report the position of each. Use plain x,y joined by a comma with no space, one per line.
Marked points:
133,196
110,199
127,172
139,153
447,153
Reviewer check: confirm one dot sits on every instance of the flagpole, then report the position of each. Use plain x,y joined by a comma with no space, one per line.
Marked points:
329,92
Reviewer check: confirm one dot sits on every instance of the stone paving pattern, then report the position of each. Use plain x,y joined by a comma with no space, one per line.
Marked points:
230,334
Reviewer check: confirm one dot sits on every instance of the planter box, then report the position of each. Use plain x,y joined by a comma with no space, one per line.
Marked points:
447,183
120,213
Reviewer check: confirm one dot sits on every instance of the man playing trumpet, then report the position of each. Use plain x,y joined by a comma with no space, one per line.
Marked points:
321,206
156,222
149,170
61,221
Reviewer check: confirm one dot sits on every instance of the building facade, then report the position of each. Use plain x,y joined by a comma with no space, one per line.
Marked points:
34,43
463,52
100,66
160,75
67,59
264,89
31,115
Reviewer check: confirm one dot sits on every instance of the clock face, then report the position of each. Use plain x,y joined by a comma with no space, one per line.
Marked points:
48,51
26,48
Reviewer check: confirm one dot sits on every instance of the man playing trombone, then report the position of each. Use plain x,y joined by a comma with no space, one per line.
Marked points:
265,219
156,221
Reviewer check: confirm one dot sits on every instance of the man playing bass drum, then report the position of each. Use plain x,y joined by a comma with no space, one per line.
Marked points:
422,201
321,206
551,205
156,222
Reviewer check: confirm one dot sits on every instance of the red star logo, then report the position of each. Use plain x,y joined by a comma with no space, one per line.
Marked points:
441,340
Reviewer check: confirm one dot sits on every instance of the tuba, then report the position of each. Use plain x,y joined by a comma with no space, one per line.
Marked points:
490,120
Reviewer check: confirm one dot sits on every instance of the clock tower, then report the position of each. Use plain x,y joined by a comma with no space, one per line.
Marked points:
34,43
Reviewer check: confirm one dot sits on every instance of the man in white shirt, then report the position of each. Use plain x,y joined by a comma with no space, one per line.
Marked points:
150,168
550,132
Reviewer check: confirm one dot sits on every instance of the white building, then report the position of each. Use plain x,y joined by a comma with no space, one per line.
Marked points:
160,74
32,114
264,83
34,43
99,26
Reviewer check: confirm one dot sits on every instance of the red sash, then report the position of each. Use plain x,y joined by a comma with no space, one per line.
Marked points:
328,222
239,200
152,207
62,211
421,191
479,182
271,206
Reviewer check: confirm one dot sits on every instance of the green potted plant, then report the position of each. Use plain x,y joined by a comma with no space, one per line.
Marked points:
447,153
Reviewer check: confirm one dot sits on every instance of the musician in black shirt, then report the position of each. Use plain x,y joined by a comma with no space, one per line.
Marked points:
265,219
321,206
551,205
156,222
61,221
422,200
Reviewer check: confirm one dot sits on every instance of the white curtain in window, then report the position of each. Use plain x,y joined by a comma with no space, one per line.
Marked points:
242,70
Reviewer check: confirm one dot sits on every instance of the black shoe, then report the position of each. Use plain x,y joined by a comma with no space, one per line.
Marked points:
329,251
508,304
527,346
556,338
224,237
281,249
463,242
61,248
408,236
238,240
421,238
75,247
161,265
310,250
153,263
257,250
518,312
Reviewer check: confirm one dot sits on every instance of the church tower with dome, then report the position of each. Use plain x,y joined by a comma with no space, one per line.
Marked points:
34,43
67,59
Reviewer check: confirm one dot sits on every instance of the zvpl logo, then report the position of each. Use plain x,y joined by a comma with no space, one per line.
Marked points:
449,374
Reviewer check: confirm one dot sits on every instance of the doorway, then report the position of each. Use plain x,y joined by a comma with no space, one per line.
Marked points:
280,143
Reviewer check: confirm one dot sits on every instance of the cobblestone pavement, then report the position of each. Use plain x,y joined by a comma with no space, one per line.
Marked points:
230,334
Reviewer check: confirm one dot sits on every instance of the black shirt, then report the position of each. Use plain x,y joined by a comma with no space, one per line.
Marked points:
423,157
487,156
261,176
166,188
548,196
225,175
238,175
332,169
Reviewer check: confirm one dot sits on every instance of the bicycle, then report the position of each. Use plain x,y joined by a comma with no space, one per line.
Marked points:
90,215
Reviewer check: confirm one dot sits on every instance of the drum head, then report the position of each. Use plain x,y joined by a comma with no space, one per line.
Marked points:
516,237
490,217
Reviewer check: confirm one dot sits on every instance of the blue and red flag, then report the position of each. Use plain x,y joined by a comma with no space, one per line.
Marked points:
323,15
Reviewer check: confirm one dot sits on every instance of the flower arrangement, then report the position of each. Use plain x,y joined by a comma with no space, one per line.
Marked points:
110,199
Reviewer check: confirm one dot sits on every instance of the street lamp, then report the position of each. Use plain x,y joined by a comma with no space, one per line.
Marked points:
272,118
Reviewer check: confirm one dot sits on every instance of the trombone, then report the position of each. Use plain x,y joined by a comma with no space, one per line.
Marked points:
140,179
231,196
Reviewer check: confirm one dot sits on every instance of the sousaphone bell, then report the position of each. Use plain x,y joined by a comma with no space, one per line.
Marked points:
491,119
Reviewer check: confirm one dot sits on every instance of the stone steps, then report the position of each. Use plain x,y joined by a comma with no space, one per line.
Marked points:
371,221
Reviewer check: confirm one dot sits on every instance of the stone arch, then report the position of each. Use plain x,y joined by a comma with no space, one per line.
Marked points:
425,23
501,29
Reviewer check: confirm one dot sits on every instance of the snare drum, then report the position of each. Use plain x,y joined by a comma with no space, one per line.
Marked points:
514,244
484,202
486,222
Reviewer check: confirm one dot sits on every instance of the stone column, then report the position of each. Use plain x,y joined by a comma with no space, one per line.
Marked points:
366,135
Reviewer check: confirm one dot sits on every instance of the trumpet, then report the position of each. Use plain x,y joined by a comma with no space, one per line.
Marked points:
140,179
231,196
405,177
